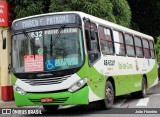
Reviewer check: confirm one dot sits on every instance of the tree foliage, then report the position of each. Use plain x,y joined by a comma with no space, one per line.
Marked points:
116,11
101,8
23,8
157,48
121,12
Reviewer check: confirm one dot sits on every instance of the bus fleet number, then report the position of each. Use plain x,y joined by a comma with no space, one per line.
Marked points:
109,62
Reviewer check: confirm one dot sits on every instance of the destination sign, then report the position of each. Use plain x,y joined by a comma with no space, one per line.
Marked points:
43,21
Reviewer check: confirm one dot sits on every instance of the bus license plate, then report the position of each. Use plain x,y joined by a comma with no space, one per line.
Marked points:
46,100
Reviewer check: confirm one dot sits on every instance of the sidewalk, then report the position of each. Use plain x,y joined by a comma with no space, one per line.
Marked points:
10,104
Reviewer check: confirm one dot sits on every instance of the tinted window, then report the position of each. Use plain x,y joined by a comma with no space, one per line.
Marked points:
119,43
106,40
151,45
138,46
92,42
146,48
129,45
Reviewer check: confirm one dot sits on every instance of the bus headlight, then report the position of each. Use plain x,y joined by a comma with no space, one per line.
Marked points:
79,84
19,90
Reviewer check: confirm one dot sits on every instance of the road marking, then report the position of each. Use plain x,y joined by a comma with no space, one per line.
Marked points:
143,102
66,106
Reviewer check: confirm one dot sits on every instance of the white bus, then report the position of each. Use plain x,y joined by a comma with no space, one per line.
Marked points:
70,58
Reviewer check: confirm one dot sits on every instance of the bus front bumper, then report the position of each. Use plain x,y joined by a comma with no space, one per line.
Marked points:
59,98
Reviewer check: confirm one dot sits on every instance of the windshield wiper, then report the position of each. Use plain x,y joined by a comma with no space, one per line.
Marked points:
57,36
51,46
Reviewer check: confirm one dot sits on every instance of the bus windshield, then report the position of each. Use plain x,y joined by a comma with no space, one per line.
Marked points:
47,50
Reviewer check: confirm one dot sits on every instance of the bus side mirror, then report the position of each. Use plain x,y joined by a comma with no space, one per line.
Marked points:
4,43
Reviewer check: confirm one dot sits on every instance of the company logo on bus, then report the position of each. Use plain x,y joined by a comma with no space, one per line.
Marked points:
43,75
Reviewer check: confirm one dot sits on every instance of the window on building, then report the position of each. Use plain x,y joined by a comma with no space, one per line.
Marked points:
129,45
106,40
119,43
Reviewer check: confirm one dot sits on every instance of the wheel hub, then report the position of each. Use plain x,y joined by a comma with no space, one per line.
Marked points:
109,95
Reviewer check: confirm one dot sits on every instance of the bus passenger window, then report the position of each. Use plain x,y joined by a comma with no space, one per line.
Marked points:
151,45
129,45
106,40
119,43
146,48
138,46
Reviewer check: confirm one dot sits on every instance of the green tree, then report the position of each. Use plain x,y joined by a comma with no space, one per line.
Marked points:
157,48
121,12
100,8
23,8
116,11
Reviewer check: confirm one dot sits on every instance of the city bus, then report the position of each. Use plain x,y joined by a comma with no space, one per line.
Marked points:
73,58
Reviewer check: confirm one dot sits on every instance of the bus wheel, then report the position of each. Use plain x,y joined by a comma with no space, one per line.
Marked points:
143,92
109,96
50,107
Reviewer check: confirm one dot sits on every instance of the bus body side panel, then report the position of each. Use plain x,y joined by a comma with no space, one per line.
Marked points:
127,72
152,76
96,81
125,84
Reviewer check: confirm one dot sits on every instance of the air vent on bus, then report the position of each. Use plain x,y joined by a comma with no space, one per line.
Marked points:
45,81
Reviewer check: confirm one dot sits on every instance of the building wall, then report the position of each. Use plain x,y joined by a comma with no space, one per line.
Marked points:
0,62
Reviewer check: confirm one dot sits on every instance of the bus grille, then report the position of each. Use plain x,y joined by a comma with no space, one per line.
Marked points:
56,101
45,81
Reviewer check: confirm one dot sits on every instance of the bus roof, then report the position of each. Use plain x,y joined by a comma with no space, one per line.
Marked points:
97,20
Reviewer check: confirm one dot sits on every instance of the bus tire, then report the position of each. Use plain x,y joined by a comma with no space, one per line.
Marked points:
109,96
143,92
51,107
